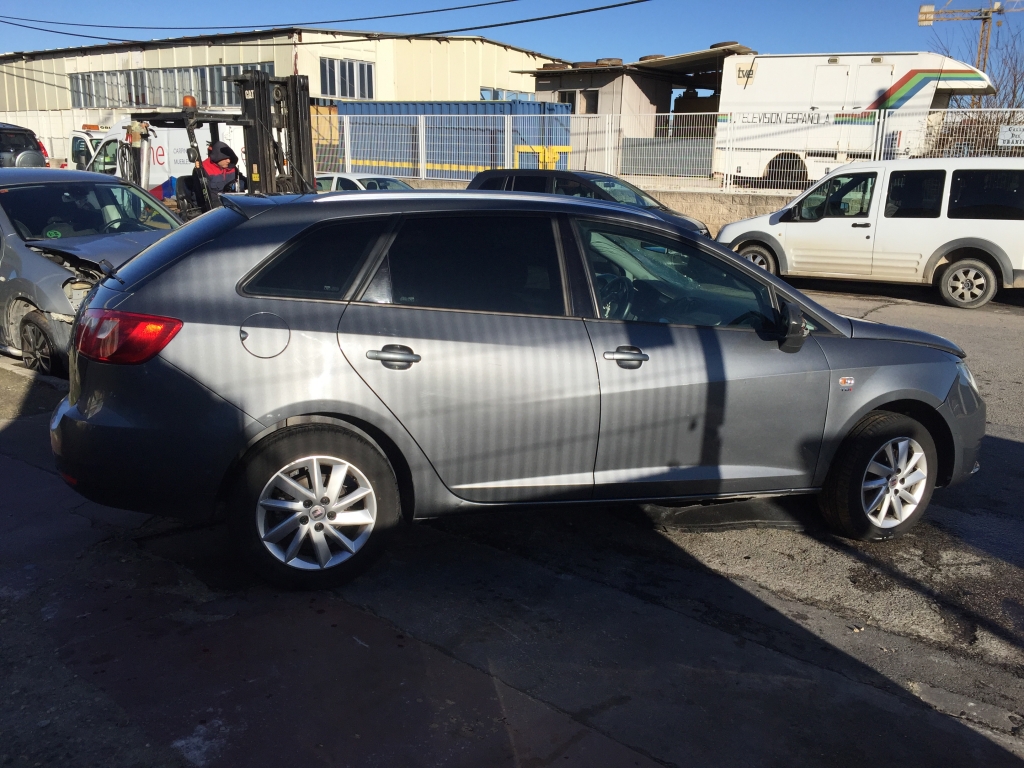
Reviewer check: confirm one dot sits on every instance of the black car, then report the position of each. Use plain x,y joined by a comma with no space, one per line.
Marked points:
19,148
598,186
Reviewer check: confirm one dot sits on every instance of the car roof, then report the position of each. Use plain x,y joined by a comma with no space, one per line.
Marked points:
37,175
947,163
335,175
12,127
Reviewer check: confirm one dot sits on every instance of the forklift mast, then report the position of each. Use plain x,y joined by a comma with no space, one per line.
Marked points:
278,134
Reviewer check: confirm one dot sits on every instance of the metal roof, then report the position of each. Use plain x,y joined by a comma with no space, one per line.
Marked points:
229,37
679,64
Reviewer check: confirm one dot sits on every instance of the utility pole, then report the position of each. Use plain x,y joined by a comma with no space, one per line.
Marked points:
927,15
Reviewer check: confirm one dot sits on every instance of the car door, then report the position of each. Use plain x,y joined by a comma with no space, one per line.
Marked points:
105,159
829,230
463,333
907,233
696,396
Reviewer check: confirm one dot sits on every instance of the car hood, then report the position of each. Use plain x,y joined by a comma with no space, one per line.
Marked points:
115,248
865,329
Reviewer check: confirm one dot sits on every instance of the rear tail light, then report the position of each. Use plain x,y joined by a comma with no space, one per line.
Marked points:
46,155
122,338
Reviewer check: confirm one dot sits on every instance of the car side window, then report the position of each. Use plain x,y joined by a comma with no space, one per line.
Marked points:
494,182
493,263
915,194
323,183
652,278
845,196
566,186
987,194
321,262
530,183
347,185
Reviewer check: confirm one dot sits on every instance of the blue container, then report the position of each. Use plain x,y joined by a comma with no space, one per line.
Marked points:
446,107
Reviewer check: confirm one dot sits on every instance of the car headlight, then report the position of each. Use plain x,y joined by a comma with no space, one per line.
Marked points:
966,375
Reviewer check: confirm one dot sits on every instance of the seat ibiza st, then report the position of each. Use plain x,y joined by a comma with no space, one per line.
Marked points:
314,369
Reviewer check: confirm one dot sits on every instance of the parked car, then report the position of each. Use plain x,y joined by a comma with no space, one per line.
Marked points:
19,148
317,369
339,182
58,229
586,184
954,223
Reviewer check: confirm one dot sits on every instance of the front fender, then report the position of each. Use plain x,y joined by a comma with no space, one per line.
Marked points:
769,240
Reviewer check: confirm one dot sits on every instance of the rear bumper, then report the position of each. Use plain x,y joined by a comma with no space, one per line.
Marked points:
964,412
147,438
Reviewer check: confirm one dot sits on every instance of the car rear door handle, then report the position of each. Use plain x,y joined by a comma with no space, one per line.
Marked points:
396,357
865,224
628,357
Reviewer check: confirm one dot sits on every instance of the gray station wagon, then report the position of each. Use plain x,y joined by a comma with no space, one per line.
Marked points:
315,369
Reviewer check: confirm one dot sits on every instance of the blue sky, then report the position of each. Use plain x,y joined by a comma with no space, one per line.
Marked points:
659,26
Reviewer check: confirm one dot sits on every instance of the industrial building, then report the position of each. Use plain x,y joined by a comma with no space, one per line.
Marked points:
54,91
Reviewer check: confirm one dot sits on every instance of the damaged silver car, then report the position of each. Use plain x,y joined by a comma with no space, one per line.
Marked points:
62,231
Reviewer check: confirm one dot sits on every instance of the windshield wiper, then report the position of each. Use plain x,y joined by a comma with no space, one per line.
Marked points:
108,270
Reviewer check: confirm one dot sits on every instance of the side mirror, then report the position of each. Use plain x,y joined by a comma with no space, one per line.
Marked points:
793,330
192,154
79,166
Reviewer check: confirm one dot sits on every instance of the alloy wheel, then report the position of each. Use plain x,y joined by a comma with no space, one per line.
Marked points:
894,482
35,349
316,512
758,260
966,284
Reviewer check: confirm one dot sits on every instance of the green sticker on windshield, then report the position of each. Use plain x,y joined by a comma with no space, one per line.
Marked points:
53,233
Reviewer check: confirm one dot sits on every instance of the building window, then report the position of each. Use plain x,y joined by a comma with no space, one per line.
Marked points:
158,87
501,94
346,79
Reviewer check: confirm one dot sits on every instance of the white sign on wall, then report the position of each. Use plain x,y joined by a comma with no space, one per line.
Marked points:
1011,135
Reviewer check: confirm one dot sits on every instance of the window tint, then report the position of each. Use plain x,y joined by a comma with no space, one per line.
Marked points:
482,263
346,184
571,187
655,279
915,194
530,183
495,182
385,183
321,262
986,194
843,196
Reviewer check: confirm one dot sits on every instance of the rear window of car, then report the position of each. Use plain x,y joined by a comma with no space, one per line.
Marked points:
986,194
915,195
506,264
17,141
180,242
495,182
321,262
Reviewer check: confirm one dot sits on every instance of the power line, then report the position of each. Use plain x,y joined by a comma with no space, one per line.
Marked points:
296,24
364,38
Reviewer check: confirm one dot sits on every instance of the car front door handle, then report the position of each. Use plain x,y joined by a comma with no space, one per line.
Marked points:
628,357
395,357
865,224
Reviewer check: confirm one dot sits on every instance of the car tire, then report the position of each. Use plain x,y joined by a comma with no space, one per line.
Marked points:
40,351
760,256
968,284
887,463
287,532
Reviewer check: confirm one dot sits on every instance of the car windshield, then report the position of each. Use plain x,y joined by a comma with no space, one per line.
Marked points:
625,193
52,211
384,183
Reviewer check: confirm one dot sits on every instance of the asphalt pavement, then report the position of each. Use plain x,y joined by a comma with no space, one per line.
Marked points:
726,635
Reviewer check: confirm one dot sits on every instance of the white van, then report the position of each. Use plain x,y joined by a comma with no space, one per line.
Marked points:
167,152
955,223
796,117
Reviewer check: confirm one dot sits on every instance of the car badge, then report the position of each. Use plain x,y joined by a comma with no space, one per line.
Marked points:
846,383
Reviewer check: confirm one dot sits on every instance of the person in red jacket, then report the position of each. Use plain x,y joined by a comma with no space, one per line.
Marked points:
221,169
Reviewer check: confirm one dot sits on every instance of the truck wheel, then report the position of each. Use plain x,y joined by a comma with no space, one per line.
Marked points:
313,506
968,284
786,171
761,257
39,350
882,478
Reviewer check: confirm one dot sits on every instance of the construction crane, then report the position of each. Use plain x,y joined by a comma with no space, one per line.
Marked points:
927,15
